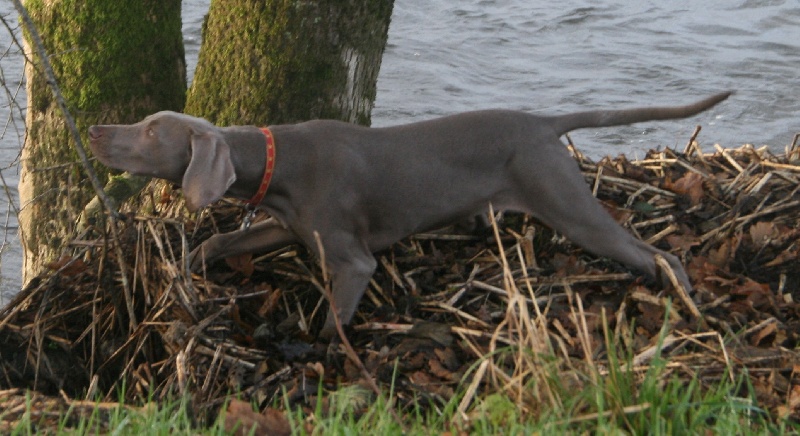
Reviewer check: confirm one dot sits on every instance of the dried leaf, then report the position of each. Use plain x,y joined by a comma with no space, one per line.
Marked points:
761,233
690,185
448,358
794,398
166,192
787,255
756,293
271,302
440,333
242,263
567,265
440,371
240,419
69,269
768,331
721,255
619,214
682,242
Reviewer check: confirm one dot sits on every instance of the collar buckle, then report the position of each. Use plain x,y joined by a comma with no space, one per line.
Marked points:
248,217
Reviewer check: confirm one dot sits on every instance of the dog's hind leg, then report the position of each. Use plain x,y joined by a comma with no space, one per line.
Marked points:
562,200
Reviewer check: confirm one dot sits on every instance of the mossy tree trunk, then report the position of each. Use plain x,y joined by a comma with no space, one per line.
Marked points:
115,62
278,61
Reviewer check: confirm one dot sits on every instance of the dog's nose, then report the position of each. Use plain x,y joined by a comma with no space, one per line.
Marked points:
95,132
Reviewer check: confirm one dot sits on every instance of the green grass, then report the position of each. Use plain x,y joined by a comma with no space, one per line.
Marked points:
169,418
677,409
615,401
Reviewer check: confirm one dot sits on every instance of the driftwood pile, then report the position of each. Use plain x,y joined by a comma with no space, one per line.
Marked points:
438,305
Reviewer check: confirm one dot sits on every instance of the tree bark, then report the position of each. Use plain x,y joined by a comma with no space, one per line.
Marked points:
115,63
279,61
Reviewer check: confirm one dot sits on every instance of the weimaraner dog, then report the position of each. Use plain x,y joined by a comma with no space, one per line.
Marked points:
362,189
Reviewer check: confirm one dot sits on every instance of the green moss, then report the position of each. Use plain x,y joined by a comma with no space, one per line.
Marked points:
108,52
114,62
281,61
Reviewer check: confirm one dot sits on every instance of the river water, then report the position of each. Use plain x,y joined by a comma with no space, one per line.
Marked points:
553,57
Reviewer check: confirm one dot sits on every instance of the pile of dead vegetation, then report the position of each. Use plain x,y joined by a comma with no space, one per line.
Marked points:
439,307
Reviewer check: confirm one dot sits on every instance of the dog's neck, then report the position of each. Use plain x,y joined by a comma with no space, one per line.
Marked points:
269,143
248,148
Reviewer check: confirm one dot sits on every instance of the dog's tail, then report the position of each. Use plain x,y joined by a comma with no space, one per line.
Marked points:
565,123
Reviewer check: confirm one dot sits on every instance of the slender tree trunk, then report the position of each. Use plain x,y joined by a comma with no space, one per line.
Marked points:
276,61
115,61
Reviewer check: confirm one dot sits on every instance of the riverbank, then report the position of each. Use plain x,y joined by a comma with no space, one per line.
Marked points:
449,319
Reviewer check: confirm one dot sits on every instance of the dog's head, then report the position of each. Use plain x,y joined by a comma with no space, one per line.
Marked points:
179,148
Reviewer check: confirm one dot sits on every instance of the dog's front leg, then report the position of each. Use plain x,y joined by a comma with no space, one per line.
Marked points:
349,279
263,236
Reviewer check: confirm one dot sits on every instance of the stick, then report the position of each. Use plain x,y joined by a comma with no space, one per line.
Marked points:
62,104
684,296
690,147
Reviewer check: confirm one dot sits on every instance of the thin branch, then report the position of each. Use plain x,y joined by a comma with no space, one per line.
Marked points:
62,104
98,187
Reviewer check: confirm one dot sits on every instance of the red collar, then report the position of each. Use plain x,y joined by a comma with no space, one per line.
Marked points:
270,166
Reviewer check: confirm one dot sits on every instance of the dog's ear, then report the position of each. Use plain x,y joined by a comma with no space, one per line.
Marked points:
210,172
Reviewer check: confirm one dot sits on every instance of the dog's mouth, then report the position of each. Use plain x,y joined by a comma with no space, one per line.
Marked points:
97,148
100,151
103,157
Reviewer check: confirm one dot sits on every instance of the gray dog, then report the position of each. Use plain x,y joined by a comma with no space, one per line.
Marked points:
362,189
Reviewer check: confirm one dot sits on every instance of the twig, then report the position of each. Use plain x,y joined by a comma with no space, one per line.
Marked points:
793,148
782,166
62,104
691,145
684,296
727,155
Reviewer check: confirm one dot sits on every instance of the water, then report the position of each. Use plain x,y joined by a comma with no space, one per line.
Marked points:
552,57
